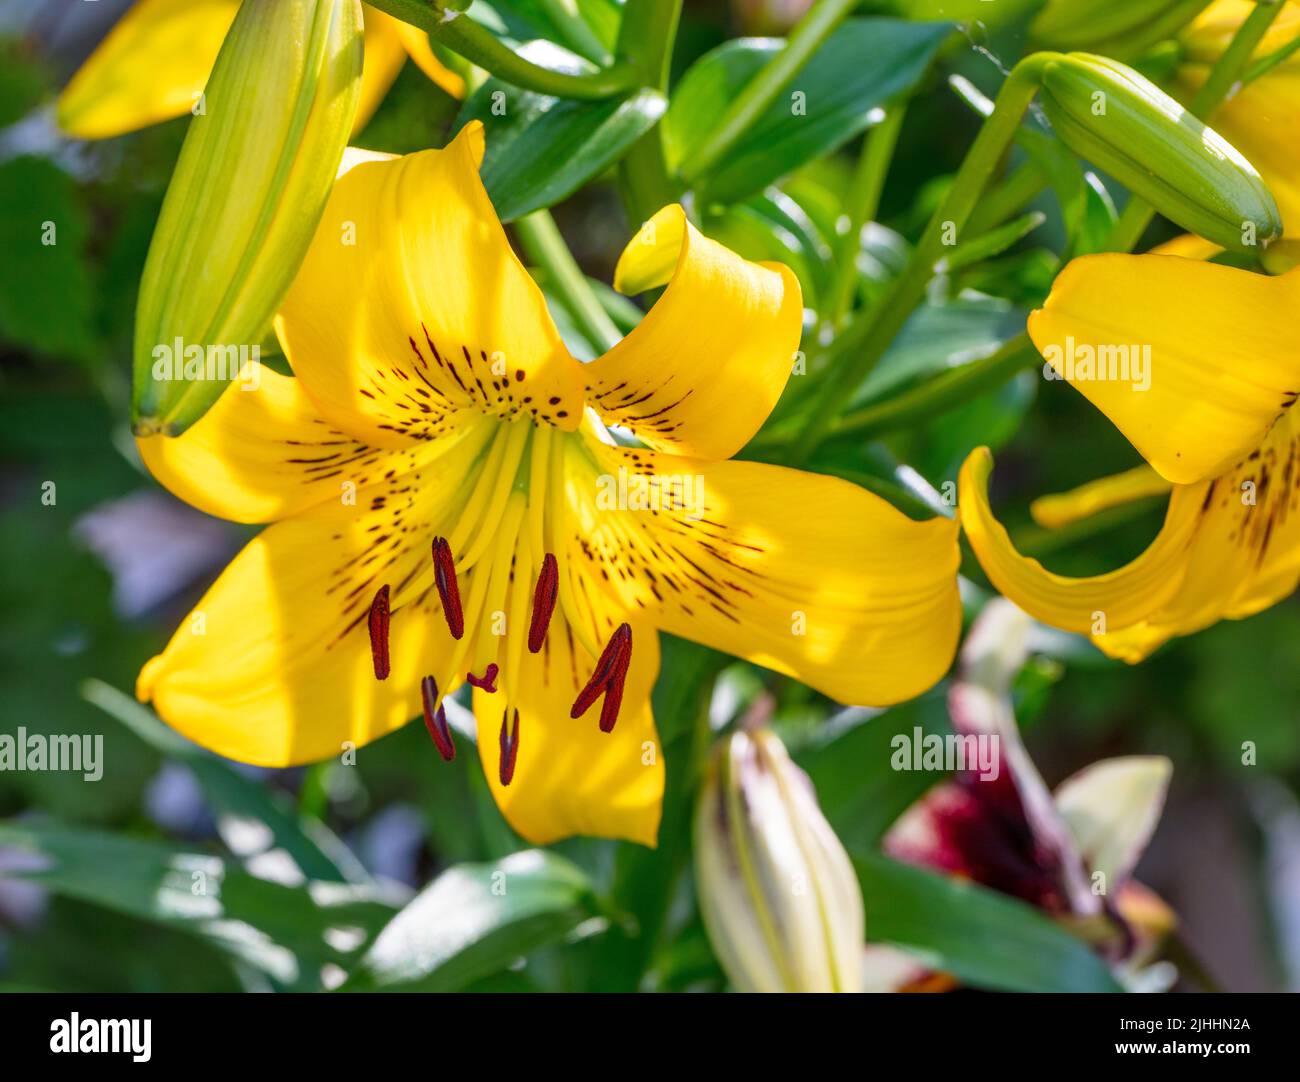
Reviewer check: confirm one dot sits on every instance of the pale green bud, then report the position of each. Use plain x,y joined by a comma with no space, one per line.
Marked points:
778,893
1124,28
1130,128
249,188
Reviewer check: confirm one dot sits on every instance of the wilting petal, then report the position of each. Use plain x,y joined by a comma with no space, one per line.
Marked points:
1223,362
152,66
1090,605
704,368
1112,808
569,777
266,453
805,574
411,306
274,665
1063,508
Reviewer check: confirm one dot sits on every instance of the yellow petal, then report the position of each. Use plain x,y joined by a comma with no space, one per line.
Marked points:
1061,509
152,66
1213,345
265,453
1188,246
416,43
273,666
571,778
383,60
1245,554
704,368
411,306
804,574
1091,605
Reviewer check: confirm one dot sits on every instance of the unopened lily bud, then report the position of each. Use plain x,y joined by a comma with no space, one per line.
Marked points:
1114,27
247,193
779,896
1126,125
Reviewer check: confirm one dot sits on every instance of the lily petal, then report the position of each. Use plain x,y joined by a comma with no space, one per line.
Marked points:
1112,808
804,574
1123,597
151,67
702,371
274,665
1223,365
416,43
411,306
570,777
1063,508
264,454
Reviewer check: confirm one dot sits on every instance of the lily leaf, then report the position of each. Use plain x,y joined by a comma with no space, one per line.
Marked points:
236,799
288,933
474,920
858,69
540,149
983,938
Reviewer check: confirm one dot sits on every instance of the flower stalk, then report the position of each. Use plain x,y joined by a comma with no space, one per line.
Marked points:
461,34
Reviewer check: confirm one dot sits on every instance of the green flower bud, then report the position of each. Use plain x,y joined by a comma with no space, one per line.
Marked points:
1125,28
249,188
1130,128
779,896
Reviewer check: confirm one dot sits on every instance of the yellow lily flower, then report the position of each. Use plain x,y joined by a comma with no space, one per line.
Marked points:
154,63
447,505
1215,424
1261,119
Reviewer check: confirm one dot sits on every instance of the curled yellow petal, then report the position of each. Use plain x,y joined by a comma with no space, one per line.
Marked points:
703,369
1090,605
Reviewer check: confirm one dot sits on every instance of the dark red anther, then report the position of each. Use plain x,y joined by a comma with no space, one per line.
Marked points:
436,720
548,589
379,633
444,576
488,681
509,748
608,678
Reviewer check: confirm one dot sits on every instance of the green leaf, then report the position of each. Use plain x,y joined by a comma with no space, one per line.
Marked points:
859,68
475,920
46,291
286,932
849,764
541,150
983,938
235,798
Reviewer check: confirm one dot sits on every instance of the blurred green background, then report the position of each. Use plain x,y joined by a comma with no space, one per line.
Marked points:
93,584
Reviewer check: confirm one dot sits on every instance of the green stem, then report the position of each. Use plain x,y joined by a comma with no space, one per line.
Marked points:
1012,196
1225,74
804,40
542,243
461,34
861,206
578,34
645,43
864,342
